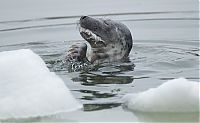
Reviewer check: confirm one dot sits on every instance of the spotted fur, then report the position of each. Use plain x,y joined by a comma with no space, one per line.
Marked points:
109,40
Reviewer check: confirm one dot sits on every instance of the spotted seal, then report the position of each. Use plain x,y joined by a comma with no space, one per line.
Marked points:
109,40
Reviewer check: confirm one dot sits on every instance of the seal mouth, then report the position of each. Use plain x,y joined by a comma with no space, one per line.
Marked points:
92,38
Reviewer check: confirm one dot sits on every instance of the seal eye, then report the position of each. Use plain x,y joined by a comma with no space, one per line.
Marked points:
101,43
95,28
106,23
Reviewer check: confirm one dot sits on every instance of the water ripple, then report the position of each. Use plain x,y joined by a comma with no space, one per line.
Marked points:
97,15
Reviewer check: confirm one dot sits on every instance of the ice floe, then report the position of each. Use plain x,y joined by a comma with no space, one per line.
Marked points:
29,89
177,95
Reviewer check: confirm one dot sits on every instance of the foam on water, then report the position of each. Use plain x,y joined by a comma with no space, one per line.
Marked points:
28,88
177,95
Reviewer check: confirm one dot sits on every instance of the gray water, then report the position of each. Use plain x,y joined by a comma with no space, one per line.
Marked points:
166,46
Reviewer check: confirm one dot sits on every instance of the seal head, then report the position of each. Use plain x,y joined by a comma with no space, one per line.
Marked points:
109,40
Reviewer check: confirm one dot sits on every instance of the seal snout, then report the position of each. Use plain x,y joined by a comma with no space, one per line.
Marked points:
83,17
88,22
83,20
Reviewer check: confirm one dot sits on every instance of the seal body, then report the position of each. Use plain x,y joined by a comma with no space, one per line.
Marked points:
109,40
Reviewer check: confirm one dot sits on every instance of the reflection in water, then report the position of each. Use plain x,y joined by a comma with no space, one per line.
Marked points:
107,74
112,74
95,94
102,79
95,107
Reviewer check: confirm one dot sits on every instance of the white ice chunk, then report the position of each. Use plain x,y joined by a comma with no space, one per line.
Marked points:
28,88
177,95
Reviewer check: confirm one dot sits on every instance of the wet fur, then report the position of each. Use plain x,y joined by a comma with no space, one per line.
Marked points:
109,40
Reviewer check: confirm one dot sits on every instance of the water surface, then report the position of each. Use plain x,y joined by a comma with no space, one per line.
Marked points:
166,46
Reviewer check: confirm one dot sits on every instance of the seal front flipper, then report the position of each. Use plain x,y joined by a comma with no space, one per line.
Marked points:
76,59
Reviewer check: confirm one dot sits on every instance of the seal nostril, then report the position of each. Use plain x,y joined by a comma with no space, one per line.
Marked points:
83,17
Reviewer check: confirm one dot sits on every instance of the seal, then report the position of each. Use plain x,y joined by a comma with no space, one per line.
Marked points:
109,40
76,59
